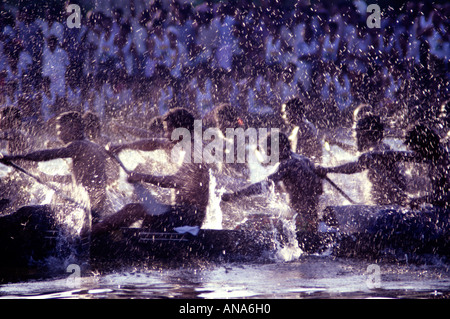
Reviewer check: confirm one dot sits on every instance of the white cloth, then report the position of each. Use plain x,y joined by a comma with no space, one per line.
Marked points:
193,230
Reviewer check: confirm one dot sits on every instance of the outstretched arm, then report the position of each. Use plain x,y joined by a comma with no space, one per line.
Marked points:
44,155
135,131
367,159
348,168
253,189
168,181
256,188
148,145
62,179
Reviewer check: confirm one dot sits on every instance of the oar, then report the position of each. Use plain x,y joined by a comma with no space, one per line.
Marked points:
339,190
40,181
334,185
86,231
147,199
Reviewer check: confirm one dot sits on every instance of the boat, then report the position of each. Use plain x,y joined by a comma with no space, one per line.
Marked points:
33,236
389,232
356,231
131,246
27,238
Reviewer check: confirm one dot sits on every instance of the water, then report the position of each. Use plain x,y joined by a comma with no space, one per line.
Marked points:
289,274
307,277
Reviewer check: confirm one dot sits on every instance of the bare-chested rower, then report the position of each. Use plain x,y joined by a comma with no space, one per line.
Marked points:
297,176
88,159
191,183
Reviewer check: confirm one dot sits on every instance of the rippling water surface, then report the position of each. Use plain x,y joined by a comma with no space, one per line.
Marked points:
308,277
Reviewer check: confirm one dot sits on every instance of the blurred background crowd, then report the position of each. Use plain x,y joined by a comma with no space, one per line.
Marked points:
138,59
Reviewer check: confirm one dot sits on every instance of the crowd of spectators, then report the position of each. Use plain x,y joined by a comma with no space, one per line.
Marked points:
130,63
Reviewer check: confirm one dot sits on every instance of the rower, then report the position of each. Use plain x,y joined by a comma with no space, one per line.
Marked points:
223,117
296,175
88,160
304,136
426,143
190,182
388,184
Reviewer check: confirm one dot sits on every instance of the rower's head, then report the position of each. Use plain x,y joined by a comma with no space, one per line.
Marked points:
156,125
369,132
228,116
293,110
362,111
70,126
423,140
284,145
178,118
92,125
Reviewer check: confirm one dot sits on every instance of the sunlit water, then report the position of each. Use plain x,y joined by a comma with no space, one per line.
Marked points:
289,274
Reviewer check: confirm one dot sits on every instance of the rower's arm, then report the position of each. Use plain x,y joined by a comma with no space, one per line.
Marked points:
366,160
348,168
253,189
148,145
167,181
257,188
406,156
44,155
138,132
62,179
392,156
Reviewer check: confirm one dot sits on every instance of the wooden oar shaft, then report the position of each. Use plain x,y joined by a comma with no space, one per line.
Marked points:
339,190
117,159
37,179
147,198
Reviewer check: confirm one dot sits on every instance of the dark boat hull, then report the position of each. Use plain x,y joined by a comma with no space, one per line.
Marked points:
382,232
137,246
372,233
27,235
27,238
30,237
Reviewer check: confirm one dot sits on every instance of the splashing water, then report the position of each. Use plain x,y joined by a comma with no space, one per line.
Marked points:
73,217
284,228
272,205
289,250
214,215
